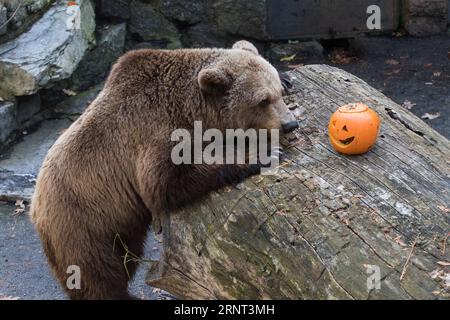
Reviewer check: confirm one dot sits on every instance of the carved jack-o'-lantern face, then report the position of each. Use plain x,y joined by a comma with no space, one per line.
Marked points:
353,128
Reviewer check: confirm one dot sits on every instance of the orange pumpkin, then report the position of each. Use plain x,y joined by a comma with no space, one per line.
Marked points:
353,128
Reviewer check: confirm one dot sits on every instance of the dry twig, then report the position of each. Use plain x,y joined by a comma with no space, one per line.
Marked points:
407,260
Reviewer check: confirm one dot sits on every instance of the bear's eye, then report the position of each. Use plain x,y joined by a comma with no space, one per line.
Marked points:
264,103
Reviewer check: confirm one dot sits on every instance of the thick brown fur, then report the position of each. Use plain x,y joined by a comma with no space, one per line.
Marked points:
111,173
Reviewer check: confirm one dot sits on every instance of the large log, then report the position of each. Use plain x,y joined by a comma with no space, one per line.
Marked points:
313,230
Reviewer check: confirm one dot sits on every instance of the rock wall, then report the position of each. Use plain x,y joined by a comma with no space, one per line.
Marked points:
44,44
50,49
48,52
195,23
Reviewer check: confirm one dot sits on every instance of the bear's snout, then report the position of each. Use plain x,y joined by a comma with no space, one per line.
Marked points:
287,119
289,126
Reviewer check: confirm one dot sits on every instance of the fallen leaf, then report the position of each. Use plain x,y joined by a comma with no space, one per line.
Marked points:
341,56
392,62
395,71
69,92
431,116
408,104
398,34
428,65
20,207
1,99
436,292
443,208
288,58
443,263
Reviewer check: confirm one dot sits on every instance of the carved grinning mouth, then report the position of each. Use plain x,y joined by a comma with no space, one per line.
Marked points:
347,141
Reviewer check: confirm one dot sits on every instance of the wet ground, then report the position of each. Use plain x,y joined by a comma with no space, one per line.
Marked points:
24,271
413,72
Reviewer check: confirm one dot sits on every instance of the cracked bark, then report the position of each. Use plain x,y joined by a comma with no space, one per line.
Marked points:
310,231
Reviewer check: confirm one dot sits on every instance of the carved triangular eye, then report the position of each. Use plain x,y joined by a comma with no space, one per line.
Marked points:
345,128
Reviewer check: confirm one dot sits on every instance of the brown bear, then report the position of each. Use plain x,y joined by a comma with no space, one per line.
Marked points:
110,173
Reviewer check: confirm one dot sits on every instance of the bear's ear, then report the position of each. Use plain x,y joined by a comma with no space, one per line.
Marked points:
245,45
213,80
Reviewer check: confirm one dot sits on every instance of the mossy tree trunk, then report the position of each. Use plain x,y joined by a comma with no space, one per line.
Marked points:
312,230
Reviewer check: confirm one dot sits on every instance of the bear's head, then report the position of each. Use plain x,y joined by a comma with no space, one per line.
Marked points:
246,90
